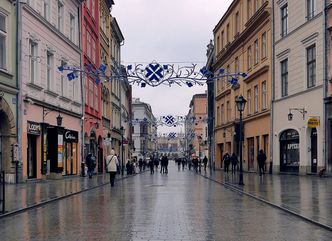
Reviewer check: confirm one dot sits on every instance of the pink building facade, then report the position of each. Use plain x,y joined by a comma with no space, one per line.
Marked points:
51,109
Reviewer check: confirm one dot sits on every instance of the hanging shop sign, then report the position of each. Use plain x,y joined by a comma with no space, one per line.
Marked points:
313,122
33,128
71,136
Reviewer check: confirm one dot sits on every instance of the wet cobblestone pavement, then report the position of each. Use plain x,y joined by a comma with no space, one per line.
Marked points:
177,206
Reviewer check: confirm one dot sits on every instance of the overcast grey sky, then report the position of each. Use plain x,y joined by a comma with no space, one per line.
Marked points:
172,31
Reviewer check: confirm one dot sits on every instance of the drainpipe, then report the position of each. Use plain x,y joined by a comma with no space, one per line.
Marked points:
325,83
272,90
19,99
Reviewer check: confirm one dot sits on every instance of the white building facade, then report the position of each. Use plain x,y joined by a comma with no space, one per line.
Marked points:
298,116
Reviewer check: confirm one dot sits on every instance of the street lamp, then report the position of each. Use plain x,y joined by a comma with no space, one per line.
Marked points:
240,104
122,130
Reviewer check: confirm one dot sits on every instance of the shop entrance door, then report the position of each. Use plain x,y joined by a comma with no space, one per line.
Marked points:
314,150
251,153
32,156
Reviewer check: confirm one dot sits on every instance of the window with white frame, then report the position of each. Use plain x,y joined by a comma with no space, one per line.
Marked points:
249,57
310,9
311,66
249,101
3,41
46,7
284,20
33,63
72,28
60,16
62,80
284,77
264,47
256,100
264,95
49,70
256,51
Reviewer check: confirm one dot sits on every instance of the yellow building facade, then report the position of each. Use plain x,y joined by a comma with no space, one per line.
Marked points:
243,44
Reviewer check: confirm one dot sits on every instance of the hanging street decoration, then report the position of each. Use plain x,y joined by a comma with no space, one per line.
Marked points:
153,74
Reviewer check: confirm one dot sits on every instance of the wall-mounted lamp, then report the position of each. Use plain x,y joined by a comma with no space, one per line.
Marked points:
301,110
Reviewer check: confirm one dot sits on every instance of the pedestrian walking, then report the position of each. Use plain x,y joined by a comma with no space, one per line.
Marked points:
195,163
140,164
128,168
178,160
111,164
205,161
90,161
226,159
261,158
151,165
184,162
166,164
234,162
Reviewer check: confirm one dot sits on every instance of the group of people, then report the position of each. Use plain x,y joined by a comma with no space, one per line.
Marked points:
233,160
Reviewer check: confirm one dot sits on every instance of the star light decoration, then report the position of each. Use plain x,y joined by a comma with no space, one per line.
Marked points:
153,74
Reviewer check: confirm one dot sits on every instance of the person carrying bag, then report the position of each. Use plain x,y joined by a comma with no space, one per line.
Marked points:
111,164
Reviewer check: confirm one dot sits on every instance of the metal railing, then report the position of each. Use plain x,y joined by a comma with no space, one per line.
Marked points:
2,192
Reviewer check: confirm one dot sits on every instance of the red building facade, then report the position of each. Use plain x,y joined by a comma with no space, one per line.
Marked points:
92,89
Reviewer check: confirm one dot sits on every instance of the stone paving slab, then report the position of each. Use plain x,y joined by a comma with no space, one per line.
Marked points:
24,195
309,196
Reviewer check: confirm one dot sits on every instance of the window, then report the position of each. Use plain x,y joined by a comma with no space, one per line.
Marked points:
264,48
256,100
222,114
249,102
311,66
284,77
222,39
89,47
256,51
63,81
249,9
310,9
249,57
74,83
72,28
237,65
33,54
237,23
47,9
93,8
3,39
218,44
228,107
86,90
60,16
227,33
91,93
218,117
228,71
49,71
264,95
235,108
96,107
284,20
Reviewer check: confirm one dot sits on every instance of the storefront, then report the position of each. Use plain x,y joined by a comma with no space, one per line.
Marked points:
70,150
34,133
289,151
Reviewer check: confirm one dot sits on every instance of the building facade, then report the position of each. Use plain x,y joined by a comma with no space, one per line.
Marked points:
144,131
93,129
51,110
105,58
196,126
243,44
8,89
298,105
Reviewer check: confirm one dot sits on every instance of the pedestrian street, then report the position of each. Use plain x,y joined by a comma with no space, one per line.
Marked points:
180,205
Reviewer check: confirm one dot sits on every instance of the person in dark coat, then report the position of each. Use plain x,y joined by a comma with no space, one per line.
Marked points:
151,165
234,162
261,158
205,161
128,167
90,161
227,161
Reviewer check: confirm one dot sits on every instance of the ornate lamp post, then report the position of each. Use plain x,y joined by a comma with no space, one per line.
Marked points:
122,130
240,104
